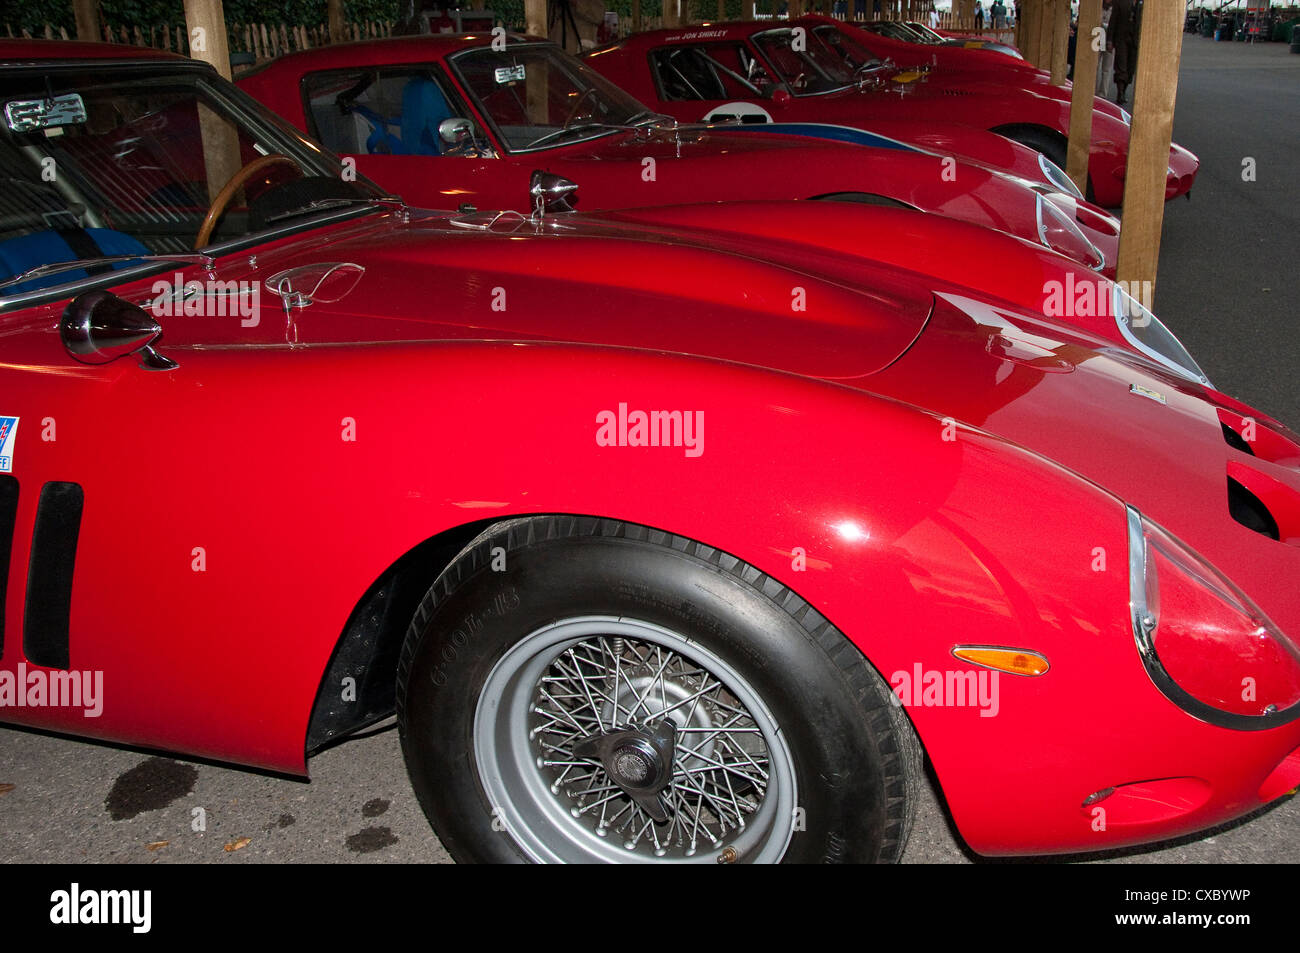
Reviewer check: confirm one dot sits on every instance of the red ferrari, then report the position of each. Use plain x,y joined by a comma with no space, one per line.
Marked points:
676,534
449,121
818,70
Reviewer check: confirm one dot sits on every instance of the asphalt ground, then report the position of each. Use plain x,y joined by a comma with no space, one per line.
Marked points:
1228,285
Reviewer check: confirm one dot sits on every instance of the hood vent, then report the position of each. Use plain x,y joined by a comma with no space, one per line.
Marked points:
1248,510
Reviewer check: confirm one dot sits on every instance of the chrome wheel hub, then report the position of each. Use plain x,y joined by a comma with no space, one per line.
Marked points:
602,738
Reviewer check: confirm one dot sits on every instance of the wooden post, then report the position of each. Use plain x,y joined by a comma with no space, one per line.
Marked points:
1046,20
535,17
636,16
1160,48
334,12
86,13
722,9
207,17
1027,25
1081,96
1060,41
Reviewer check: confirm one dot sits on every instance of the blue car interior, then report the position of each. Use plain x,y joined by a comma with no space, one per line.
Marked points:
47,247
424,107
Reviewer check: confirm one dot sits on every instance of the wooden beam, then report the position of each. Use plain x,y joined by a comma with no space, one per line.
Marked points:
636,16
535,18
1081,96
334,15
86,13
1160,48
1027,27
209,43
1046,20
722,9
1060,41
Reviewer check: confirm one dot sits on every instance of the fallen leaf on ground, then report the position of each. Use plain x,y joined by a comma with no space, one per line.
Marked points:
157,845
239,844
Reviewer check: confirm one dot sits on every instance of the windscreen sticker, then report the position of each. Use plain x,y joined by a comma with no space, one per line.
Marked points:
510,74
8,430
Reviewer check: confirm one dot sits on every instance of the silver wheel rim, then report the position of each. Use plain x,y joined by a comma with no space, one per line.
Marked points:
731,796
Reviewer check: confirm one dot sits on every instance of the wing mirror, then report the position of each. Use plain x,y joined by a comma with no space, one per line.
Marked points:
551,193
99,327
780,96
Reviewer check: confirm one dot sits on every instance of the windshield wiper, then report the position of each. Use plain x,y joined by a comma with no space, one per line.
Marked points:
649,117
54,268
317,205
651,120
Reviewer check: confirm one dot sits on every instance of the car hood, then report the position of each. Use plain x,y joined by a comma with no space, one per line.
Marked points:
588,279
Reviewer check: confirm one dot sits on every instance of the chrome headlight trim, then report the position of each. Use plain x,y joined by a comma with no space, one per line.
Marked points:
1057,177
1120,297
1144,625
1040,203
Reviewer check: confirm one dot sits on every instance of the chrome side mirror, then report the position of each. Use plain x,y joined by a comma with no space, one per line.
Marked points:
99,327
551,192
456,133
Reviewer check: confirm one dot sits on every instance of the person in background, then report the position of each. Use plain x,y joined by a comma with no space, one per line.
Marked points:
1122,35
979,16
934,18
1106,58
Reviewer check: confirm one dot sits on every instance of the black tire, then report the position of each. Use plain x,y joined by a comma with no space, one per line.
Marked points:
855,756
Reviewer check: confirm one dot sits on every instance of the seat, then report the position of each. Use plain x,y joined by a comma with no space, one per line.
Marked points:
423,109
50,246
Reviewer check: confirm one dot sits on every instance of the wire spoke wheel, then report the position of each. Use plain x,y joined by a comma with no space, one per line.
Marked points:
611,739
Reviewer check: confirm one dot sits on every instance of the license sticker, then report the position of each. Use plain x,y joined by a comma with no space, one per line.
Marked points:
8,430
510,74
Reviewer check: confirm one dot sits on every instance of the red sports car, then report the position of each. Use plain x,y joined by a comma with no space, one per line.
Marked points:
818,70
918,34
961,64
448,121
668,535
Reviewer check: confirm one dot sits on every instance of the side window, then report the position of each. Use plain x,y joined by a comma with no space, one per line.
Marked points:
684,73
739,71
379,112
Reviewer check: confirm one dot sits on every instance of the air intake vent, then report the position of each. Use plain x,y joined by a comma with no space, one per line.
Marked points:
1247,510
8,516
49,575
1236,440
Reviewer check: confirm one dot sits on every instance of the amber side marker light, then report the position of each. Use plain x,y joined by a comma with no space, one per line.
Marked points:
1011,661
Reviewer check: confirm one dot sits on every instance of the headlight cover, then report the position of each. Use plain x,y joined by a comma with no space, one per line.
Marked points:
1057,177
1058,232
1206,646
1149,335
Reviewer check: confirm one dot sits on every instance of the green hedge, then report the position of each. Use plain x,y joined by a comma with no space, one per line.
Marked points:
23,14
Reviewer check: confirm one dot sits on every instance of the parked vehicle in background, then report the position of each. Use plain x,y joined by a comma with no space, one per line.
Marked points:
762,72
448,121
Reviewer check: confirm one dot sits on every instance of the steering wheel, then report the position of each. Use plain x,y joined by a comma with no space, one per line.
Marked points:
573,113
218,206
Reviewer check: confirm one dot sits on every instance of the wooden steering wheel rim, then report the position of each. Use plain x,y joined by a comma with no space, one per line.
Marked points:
218,206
